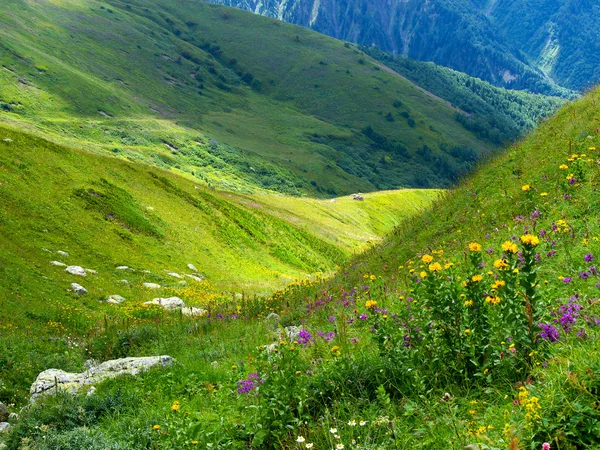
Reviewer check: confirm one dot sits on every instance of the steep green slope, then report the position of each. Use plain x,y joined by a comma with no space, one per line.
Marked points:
235,100
475,323
114,213
494,113
560,37
467,35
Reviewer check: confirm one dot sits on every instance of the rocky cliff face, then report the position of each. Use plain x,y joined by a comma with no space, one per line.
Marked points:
483,38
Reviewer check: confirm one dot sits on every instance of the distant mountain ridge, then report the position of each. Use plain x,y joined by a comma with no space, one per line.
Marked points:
519,44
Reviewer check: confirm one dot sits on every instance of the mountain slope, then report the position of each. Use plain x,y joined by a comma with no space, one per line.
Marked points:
512,44
111,213
476,323
197,88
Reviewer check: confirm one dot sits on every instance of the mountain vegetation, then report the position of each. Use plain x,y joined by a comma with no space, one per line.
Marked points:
543,46
493,113
475,323
196,88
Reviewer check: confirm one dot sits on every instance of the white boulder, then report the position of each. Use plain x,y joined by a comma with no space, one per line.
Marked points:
151,286
53,380
115,299
169,303
58,263
78,289
192,267
76,270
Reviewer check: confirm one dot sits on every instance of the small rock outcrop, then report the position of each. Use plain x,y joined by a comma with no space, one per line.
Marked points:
92,271
123,268
78,289
169,303
115,299
174,275
191,311
4,427
58,263
62,253
195,277
76,270
53,380
192,267
4,414
358,197
151,286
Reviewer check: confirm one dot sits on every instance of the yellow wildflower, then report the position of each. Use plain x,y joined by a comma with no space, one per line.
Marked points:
156,427
475,247
175,406
492,300
469,303
448,265
530,239
510,247
435,267
427,259
526,187
544,194
563,167
476,278
370,304
423,274
500,264
467,331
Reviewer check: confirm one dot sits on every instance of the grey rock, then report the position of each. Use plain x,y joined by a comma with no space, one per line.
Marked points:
61,253
3,412
273,316
78,289
169,303
146,271
358,197
123,268
7,140
174,275
92,391
76,270
195,277
191,311
152,286
292,332
192,267
53,380
115,299
124,281
92,271
4,427
58,263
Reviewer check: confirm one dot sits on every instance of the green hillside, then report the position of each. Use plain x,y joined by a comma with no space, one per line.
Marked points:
474,323
239,102
493,113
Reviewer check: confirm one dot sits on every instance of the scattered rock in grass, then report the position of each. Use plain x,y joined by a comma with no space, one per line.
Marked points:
292,332
273,318
146,271
169,303
195,277
174,275
91,392
76,270
358,197
62,253
192,267
124,281
152,286
91,271
53,380
4,427
3,412
7,140
191,311
58,263
115,299
123,268
78,289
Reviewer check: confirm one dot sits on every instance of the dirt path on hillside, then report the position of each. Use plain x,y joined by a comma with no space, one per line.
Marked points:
425,91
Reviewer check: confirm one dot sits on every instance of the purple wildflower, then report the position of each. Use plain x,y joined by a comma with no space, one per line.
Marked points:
363,317
549,332
331,319
304,337
535,214
551,253
567,280
588,258
584,275
543,233
248,384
